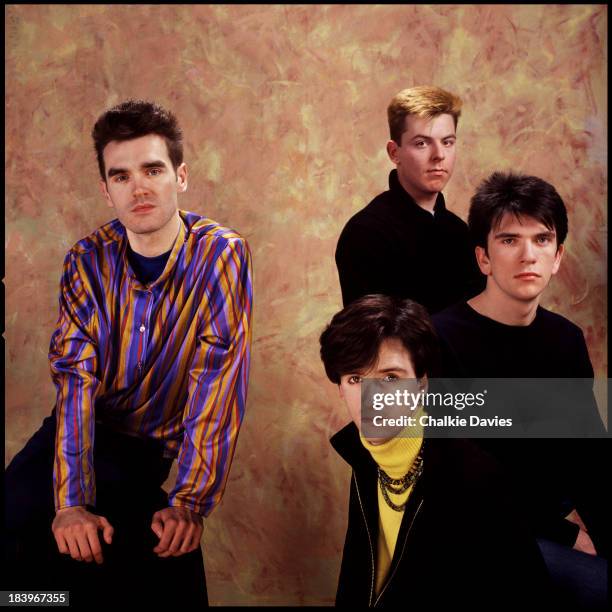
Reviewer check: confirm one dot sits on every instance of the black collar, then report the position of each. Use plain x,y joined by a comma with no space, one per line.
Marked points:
347,444
403,196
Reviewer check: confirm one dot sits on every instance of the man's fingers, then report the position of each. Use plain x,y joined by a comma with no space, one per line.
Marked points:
73,547
188,539
157,526
61,543
84,548
193,541
94,544
166,536
107,529
177,540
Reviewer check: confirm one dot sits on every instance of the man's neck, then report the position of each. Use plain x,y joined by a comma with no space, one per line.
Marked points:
155,243
503,309
426,201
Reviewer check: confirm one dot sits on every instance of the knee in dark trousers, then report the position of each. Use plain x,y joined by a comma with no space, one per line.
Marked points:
129,473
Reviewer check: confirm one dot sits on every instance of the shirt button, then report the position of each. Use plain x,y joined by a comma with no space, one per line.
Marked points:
142,328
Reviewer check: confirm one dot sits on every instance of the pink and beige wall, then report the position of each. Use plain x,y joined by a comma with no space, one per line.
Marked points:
283,109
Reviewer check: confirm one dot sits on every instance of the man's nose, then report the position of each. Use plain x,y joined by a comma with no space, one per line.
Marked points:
437,151
140,186
528,252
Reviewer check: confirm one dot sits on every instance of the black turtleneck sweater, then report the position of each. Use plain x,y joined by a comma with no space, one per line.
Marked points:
395,247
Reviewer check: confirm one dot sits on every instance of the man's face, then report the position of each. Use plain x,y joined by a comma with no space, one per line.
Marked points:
522,256
426,158
394,363
141,184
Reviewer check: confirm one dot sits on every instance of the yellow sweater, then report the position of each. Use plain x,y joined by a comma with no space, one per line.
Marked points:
395,457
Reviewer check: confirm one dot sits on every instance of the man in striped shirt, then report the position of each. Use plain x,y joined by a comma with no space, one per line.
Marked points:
150,359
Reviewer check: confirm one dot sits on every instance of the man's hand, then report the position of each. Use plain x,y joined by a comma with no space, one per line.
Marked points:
179,531
76,533
583,541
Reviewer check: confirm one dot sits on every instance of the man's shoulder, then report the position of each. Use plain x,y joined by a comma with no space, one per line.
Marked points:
378,206
207,239
206,229
558,324
106,237
372,218
461,464
455,221
457,316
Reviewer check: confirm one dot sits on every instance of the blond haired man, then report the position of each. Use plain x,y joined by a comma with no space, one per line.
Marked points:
405,242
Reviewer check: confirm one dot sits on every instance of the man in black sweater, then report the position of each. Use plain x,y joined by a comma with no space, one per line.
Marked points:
405,243
519,224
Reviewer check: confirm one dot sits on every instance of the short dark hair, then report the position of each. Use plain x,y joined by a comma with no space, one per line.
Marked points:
517,194
133,119
351,341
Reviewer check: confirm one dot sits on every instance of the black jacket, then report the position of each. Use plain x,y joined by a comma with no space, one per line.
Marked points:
456,545
394,247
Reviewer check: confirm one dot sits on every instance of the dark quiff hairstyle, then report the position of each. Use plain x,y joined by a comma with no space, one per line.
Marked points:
133,119
351,341
519,195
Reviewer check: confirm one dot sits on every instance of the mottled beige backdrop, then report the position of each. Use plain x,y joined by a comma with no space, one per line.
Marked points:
284,114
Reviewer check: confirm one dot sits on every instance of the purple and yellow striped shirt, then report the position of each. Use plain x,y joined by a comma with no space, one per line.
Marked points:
168,360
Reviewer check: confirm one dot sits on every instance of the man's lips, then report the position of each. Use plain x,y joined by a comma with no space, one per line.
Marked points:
437,171
528,275
143,207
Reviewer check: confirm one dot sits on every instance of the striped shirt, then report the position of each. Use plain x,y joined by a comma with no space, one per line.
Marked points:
168,360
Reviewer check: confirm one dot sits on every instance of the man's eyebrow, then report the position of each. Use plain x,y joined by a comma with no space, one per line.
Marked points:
391,369
156,163
506,235
429,137
153,164
511,235
113,171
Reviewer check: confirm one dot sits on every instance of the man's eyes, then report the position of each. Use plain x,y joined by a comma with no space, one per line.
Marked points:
539,240
543,239
354,380
121,178
421,144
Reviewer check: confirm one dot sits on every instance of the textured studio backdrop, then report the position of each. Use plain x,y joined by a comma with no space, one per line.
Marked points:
284,114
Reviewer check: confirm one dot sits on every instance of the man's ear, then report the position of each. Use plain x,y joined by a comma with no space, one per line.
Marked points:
423,383
392,148
558,258
483,261
106,195
181,178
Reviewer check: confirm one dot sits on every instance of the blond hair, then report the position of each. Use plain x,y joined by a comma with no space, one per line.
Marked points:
424,101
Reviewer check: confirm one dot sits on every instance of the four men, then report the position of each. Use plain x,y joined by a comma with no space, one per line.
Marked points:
150,358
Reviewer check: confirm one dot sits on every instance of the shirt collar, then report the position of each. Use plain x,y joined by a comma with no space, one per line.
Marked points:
347,444
402,195
181,238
